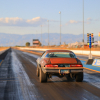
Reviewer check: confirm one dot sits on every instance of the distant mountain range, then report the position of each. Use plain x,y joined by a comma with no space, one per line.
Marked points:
54,38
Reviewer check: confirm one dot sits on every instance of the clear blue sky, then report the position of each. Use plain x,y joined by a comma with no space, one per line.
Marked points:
27,16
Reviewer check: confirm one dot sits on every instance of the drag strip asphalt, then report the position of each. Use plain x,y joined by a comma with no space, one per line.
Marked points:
58,88
18,81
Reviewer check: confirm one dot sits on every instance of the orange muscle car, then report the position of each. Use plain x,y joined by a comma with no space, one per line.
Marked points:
60,63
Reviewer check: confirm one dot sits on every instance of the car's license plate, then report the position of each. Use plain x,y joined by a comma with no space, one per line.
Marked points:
67,65
64,71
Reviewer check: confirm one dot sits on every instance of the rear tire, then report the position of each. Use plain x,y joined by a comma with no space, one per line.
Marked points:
37,71
79,77
42,76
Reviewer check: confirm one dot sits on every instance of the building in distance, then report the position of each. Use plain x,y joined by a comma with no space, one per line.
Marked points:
36,42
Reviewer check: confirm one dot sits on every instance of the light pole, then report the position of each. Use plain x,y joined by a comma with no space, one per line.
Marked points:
83,23
60,27
41,34
48,32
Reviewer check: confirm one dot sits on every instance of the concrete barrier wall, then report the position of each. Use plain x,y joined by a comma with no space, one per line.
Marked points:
97,53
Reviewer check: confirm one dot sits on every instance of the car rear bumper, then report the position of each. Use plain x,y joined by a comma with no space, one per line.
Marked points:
62,70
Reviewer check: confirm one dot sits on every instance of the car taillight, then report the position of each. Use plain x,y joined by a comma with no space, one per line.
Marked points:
76,65
50,65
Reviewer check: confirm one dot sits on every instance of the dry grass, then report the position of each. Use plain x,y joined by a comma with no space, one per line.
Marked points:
3,48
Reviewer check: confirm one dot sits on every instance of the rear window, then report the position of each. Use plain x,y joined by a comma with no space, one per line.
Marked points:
61,55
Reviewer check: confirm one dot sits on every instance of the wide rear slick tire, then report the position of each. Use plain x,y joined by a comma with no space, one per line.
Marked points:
79,77
42,76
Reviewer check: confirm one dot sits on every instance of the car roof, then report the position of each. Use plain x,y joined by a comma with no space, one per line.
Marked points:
48,51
